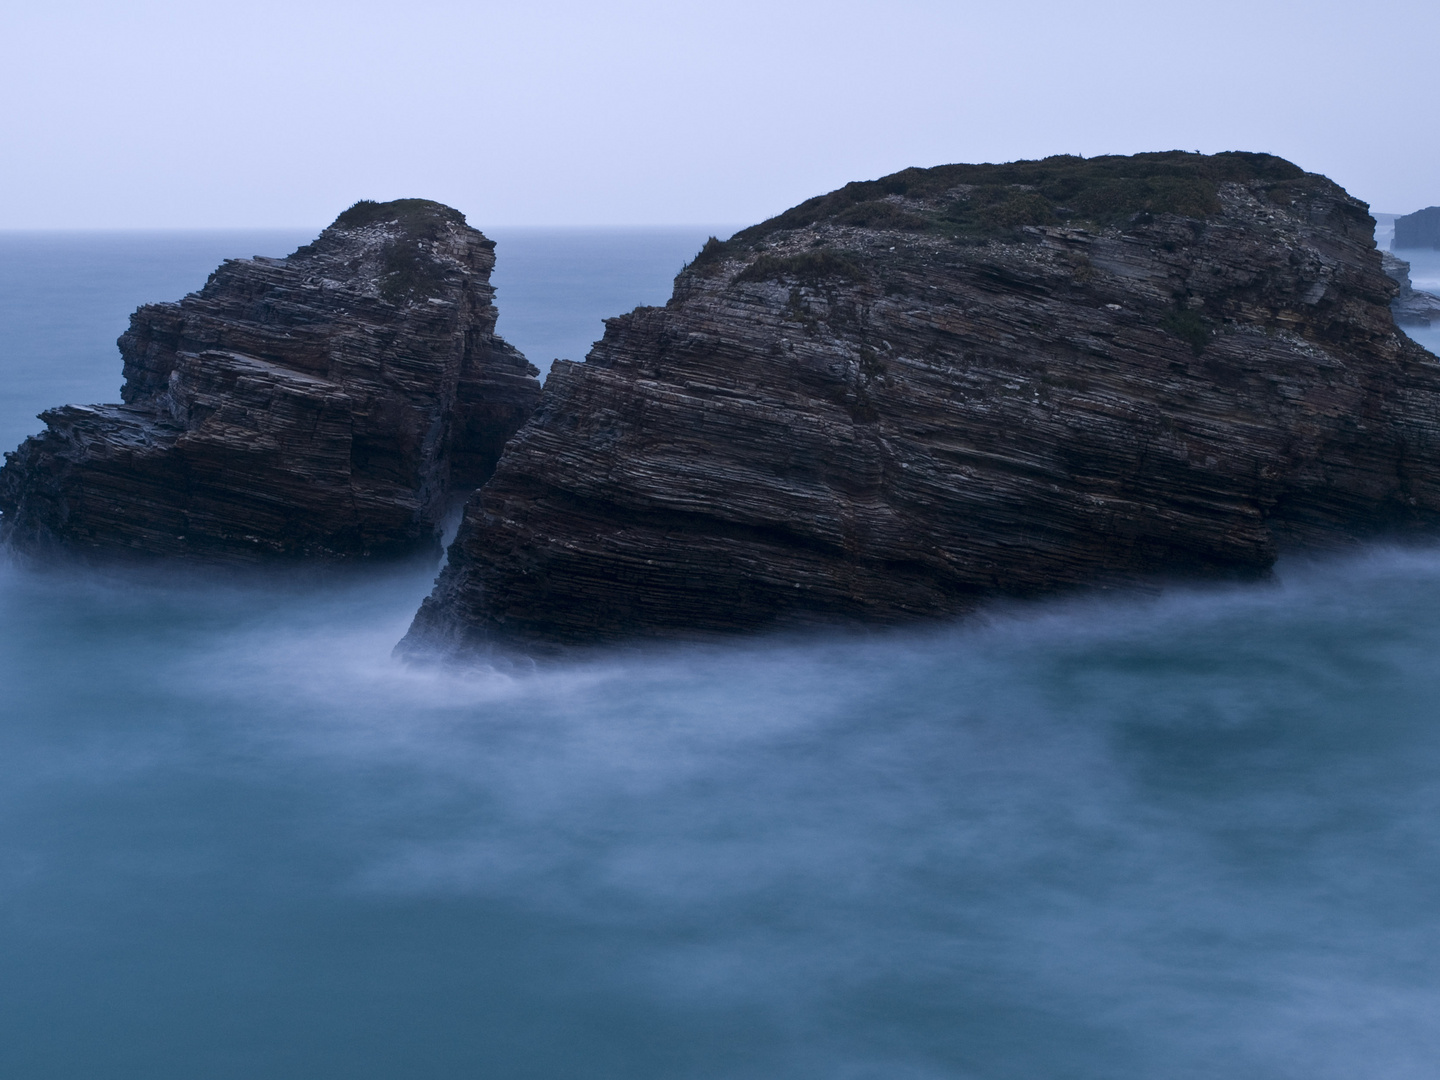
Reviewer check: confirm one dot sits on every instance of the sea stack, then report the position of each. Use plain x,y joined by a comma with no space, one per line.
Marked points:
898,399
1418,230
332,404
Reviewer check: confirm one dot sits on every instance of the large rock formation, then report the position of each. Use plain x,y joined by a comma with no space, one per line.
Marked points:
334,404
1418,230
910,394
1410,307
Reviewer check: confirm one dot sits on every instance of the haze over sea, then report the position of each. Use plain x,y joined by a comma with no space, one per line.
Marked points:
1185,835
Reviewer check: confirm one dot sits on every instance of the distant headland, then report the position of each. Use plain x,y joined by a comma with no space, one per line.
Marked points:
1418,230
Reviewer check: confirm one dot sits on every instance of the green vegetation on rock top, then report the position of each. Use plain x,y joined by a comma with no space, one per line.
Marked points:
410,269
412,214
986,200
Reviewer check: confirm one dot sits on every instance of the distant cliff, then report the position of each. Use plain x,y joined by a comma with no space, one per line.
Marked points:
1418,230
1411,308
330,404
900,398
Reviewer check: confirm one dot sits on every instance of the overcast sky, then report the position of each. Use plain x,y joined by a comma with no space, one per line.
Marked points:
161,114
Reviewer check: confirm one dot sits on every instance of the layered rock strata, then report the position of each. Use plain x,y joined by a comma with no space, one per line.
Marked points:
895,400
1410,307
332,404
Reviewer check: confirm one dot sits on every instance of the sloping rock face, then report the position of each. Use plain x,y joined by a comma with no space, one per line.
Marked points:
331,404
1410,306
908,395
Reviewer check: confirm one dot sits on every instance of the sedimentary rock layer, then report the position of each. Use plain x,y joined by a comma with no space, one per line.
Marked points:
334,404
910,394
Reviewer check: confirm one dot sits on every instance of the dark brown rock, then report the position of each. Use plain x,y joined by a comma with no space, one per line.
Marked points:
911,394
332,404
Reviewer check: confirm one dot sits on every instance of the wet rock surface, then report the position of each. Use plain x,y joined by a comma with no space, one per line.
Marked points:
332,404
899,399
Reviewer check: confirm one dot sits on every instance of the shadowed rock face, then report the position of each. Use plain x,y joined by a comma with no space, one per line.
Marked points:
332,404
900,398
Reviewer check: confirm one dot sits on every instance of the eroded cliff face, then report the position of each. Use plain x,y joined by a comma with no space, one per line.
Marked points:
908,395
332,404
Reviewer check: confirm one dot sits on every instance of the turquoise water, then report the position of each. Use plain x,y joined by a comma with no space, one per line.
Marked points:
1183,836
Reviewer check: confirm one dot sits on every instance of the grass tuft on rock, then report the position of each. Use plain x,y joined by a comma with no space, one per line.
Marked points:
1189,326
810,268
415,216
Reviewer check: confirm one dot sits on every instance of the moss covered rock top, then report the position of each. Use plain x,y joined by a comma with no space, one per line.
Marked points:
416,245
414,215
981,201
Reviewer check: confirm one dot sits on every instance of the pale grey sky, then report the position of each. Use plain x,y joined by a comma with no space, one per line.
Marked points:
151,113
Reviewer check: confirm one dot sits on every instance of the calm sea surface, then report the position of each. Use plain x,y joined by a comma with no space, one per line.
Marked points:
1187,836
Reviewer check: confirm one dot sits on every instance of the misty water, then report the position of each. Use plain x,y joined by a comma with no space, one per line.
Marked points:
1191,834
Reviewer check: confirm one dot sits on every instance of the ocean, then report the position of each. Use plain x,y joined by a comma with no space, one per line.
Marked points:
1182,835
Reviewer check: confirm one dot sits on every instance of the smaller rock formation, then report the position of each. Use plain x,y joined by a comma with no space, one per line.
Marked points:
335,404
1410,306
1418,230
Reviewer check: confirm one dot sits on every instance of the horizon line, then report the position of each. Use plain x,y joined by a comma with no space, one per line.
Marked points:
32,229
